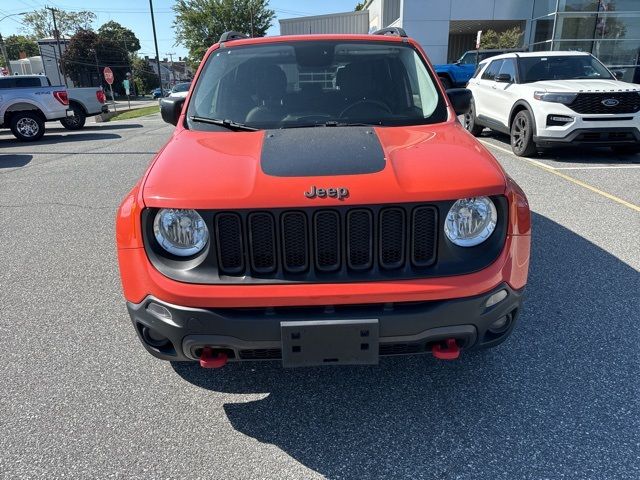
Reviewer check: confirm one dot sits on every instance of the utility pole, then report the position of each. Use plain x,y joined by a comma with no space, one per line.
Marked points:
57,37
173,72
155,41
4,54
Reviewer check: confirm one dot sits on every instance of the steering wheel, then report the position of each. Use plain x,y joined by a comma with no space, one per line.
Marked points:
375,103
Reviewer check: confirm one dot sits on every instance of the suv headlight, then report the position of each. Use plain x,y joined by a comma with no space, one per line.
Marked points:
471,221
180,232
564,98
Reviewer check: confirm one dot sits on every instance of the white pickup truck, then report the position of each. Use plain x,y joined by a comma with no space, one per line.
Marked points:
26,102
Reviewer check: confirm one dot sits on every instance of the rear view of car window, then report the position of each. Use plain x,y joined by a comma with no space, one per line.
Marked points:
7,83
27,82
493,69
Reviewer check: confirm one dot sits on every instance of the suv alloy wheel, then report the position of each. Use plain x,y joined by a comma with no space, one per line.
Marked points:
470,123
522,142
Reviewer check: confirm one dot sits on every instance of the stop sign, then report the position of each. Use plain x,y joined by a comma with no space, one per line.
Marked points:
108,75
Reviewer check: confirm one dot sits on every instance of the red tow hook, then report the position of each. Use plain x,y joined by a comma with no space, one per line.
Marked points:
208,360
450,352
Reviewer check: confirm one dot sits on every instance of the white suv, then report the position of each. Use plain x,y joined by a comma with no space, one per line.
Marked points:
554,98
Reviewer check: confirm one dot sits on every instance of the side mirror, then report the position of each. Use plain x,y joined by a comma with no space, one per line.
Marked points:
460,99
618,74
504,78
170,109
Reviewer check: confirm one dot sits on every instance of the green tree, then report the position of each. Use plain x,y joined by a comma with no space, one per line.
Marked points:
39,23
20,43
144,76
122,35
87,52
511,38
199,23
360,6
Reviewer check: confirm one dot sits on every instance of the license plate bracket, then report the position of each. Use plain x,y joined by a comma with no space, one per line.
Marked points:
329,342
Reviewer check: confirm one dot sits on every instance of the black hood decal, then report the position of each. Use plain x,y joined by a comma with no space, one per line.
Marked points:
320,151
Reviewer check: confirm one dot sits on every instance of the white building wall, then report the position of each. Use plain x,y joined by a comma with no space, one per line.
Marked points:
428,20
375,16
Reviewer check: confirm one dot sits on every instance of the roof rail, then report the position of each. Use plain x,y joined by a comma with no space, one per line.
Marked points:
228,36
397,31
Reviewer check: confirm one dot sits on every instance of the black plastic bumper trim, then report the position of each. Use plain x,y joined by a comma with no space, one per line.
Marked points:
404,323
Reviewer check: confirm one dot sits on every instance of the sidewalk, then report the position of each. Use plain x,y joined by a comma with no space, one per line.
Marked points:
123,106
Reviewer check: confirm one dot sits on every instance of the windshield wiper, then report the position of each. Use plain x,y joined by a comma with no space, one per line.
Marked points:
333,123
231,125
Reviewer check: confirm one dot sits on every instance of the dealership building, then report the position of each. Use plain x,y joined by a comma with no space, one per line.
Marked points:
610,29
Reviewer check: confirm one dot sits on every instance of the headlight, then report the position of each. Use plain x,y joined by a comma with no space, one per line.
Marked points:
180,232
565,98
471,221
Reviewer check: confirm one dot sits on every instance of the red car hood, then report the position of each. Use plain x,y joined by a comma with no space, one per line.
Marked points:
220,170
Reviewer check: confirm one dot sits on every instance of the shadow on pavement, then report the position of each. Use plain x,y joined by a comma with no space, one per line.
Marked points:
557,400
586,155
49,139
13,161
100,126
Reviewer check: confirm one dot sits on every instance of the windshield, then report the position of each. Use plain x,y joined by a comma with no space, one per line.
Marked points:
565,67
309,83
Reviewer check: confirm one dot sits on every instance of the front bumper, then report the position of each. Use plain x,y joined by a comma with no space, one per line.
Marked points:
255,333
604,136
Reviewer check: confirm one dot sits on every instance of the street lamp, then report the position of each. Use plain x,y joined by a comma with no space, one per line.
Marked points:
2,47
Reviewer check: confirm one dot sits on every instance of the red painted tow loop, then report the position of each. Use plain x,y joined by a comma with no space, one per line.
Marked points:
450,352
208,360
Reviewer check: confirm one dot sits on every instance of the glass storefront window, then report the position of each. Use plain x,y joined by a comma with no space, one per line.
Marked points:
544,7
618,26
575,45
598,6
575,26
543,30
578,5
617,52
597,26
542,47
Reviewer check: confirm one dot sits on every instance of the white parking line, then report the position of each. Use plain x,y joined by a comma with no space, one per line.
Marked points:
555,171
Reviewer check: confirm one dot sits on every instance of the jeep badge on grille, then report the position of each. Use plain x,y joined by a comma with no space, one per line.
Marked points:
340,192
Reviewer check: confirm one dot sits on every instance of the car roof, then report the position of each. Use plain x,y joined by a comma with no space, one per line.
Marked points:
537,54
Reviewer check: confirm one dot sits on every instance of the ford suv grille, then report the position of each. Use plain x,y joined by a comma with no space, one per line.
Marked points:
598,103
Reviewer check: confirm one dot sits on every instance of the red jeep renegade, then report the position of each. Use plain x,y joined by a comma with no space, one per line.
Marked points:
319,203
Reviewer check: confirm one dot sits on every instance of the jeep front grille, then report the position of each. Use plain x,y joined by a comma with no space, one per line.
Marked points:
325,241
591,103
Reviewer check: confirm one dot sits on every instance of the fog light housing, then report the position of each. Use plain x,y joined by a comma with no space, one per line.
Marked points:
153,338
500,325
496,298
558,120
159,311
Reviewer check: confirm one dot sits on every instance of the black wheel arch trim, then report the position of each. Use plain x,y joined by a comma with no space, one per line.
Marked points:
527,106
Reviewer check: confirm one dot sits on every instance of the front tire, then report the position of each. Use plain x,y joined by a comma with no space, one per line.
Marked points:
522,143
471,122
626,149
77,121
27,126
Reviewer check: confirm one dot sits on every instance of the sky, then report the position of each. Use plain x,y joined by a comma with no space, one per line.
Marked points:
134,14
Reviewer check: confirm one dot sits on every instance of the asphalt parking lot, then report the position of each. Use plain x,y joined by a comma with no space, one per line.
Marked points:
80,398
